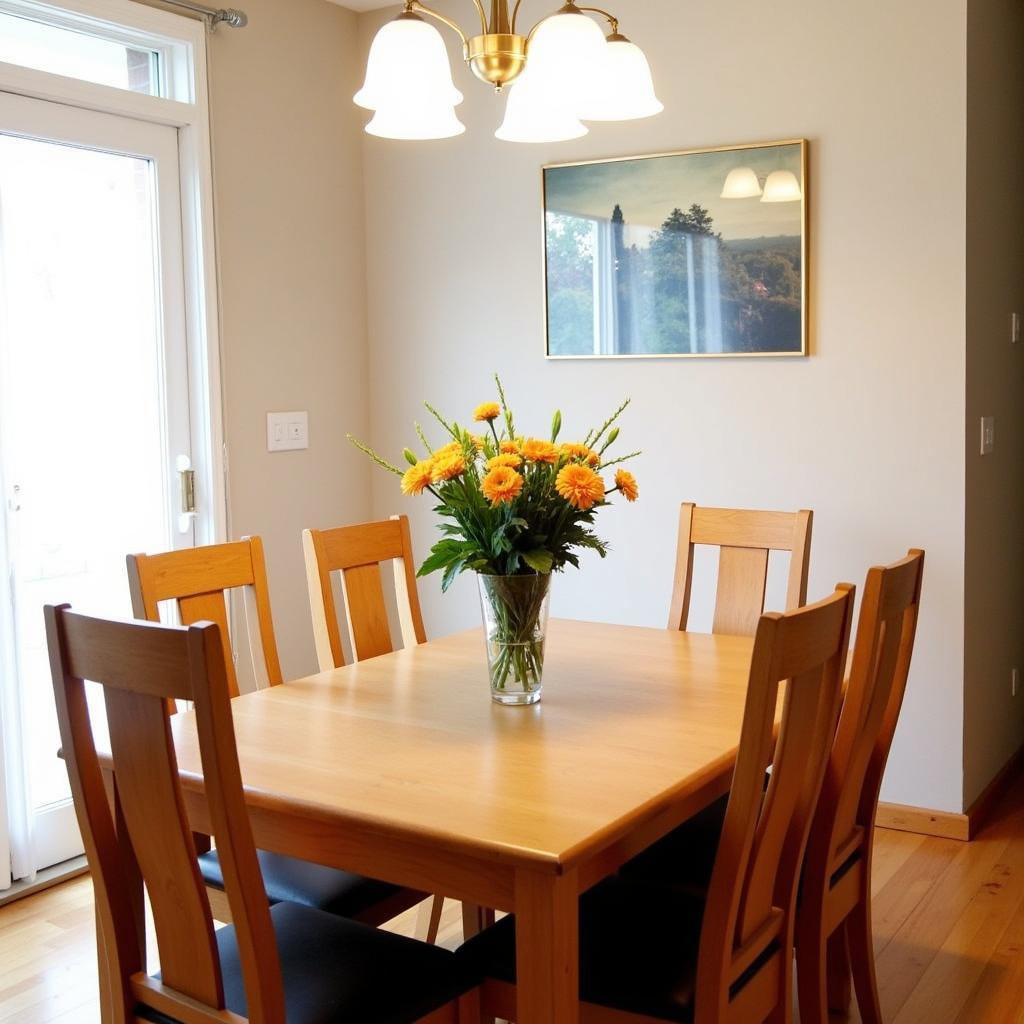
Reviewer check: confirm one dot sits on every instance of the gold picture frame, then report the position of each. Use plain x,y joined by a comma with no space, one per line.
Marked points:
693,278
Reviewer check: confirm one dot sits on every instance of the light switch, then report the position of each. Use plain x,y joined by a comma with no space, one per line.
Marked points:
988,434
287,431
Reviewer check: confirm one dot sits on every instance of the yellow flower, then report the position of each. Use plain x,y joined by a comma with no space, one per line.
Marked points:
502,484
451,448
418,478
487,412
582,453
449,467
510,461
535,450
513,447
626,483
478,442
580,486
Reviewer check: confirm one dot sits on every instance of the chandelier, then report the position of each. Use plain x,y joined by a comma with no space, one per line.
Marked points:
561,73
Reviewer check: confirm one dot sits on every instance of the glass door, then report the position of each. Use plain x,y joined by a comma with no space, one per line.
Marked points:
94,406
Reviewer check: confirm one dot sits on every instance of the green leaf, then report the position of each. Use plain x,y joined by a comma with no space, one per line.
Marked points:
539,560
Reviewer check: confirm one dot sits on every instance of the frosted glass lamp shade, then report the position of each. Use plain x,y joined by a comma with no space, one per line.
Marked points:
781,187
566,55
741,183
533,115
623,89
408,64
415,122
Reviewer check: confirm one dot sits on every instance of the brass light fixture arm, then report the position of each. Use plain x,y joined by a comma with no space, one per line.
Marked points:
415,5
610,18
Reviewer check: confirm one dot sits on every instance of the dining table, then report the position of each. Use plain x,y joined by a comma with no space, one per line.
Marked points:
402,768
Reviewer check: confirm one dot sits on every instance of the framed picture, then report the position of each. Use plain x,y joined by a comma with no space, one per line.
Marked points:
698,253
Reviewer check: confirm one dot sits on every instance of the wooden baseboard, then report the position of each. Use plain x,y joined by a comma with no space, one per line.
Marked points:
946,824
979,811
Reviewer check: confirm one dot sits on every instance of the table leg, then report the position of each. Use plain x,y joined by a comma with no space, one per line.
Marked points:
547,948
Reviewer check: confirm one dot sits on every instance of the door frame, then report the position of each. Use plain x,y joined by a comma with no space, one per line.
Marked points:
184,106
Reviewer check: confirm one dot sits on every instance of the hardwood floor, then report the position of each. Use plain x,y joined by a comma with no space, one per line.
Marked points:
949,933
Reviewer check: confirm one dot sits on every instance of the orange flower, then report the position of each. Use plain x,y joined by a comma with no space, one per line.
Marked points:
478,442
449,467
487,412
582,453
511,447
502,484
626,483
580,486
535,450
451,448
511,461
418,478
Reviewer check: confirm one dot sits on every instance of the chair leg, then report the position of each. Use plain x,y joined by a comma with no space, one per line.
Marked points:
862,960
428,919
811,972
475,919
838,973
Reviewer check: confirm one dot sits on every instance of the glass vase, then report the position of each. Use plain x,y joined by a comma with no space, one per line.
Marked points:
515,612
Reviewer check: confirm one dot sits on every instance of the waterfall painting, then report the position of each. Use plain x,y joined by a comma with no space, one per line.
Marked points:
699,253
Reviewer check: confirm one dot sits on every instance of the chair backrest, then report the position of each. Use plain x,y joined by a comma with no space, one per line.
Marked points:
198,579
356,552
745,539
142,667
874,696
744,966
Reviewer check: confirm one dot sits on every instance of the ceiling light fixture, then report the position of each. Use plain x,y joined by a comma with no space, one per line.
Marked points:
565,72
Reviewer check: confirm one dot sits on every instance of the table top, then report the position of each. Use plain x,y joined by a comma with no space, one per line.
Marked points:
410,744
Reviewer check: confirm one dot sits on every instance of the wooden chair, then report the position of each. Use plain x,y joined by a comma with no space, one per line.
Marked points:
745,539
834,920
652,952
356,552
275,964
198,579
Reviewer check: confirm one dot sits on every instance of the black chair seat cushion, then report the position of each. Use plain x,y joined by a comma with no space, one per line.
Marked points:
290,880
337,971
638,949
686,856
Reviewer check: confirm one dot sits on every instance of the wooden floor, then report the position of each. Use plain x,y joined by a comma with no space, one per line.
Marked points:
949,934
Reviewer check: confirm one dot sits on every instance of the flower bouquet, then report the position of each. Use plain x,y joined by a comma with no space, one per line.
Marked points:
514,510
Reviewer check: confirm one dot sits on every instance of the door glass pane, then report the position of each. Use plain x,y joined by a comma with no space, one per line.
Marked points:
64,51
81,399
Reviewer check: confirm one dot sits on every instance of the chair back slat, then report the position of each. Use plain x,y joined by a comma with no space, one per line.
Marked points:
742,578
356,552
878,679
142,667
198,580
745,538
146,772
752,896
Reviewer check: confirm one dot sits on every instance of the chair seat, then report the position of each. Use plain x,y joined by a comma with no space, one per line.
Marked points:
686,856
290,880
337,971
638,949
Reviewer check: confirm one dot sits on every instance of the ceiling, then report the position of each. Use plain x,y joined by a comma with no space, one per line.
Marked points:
365,5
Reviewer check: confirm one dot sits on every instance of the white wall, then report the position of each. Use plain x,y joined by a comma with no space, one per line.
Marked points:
289,197
869,431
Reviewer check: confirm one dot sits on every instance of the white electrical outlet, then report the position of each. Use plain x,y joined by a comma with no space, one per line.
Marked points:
988,434
287,431
1014,681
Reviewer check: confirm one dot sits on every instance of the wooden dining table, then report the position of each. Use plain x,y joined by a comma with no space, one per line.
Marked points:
402,768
